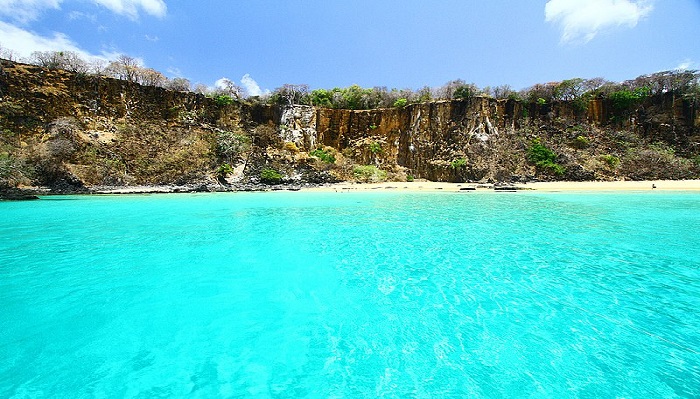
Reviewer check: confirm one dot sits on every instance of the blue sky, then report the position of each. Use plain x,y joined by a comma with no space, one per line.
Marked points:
402,44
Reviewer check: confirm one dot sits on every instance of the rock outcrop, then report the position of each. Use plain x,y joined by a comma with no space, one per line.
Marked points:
72,132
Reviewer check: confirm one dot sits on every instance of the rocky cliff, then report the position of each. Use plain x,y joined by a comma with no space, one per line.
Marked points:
69,131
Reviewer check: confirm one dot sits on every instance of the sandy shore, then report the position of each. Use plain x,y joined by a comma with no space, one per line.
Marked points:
656,185
662,185
140,190
426,186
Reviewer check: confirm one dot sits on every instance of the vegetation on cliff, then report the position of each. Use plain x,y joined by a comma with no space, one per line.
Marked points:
68,130
577,91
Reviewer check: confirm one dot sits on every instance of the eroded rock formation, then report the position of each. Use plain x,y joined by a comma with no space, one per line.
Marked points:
66,130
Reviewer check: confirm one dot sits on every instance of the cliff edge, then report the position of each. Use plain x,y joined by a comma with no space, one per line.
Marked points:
71,132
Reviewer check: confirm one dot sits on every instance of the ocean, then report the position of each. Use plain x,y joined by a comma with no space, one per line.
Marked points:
338,295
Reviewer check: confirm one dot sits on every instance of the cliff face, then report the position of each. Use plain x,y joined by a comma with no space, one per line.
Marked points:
492,137
61,129
65,130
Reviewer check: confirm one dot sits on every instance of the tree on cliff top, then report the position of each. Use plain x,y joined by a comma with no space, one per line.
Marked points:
678,82
226,87
290,94
503,91
66,60
457,89
7,54
124,68
569,90
681,82
178,84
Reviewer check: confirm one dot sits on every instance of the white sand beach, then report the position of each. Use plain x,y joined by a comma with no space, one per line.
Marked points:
427,186
660,185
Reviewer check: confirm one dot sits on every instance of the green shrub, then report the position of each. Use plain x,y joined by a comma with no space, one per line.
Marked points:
171,113
655,161
458,163
224,170
544,158
541,101
231,145
465,92
11,108
400,103
223,100
323,155
514,96
580,105
537,152
581,142
610,160
13,171
7,133
409,178
369,174
322,98
576,129
623,100
270,176
355,96
291,147
375,147
554,168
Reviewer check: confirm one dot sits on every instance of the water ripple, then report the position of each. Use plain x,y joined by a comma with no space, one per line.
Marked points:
351,295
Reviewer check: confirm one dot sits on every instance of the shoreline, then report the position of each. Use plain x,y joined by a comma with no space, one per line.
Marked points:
415,186
559,186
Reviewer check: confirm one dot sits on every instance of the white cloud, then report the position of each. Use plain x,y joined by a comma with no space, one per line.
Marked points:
251,86
23,42
130,8
581,20
685,65
224,83
174,71
24,11
78,15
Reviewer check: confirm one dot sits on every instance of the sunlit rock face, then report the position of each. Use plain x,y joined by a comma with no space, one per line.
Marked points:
81,130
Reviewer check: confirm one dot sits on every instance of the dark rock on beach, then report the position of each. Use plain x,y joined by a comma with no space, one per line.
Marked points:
14,194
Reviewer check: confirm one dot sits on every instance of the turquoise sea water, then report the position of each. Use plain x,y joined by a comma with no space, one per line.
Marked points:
380,294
